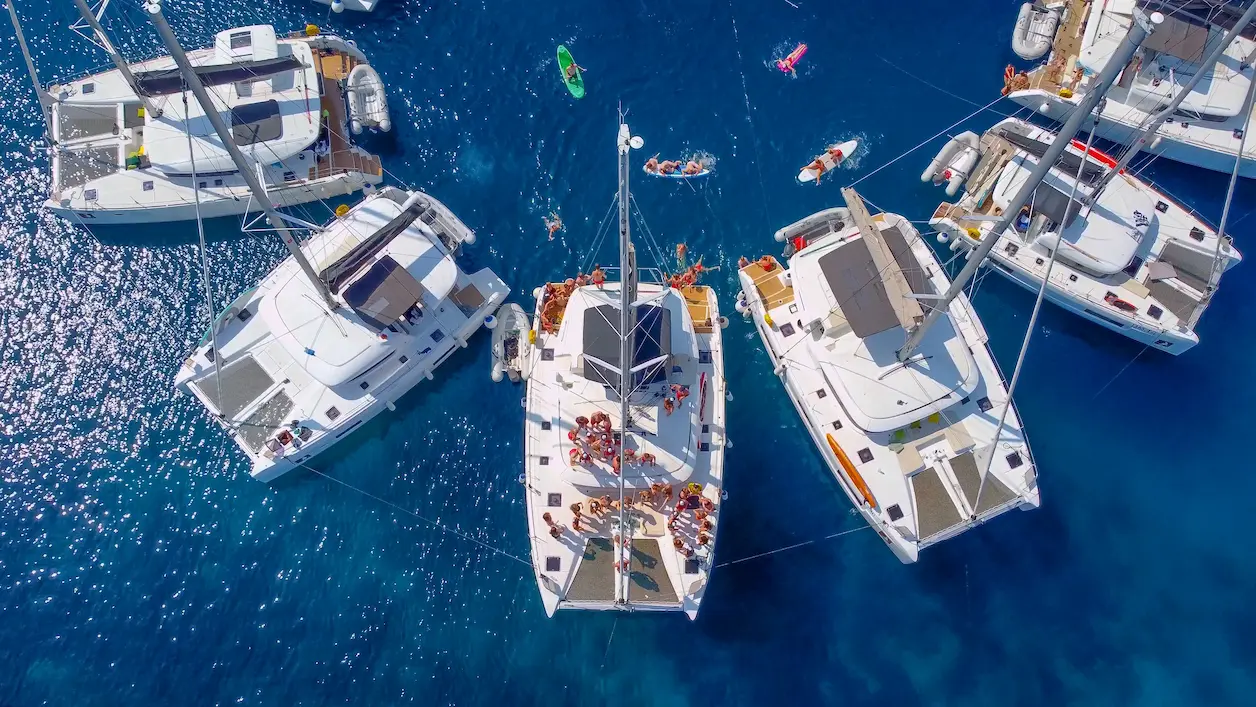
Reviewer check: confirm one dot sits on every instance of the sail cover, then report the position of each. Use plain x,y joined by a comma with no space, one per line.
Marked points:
340,271
164,82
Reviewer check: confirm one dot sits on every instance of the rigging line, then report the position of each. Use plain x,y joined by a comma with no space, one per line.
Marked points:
754,134
1118,373
937,135
1033,316
607,650
932,85
795,545
200,234
409,512
599,235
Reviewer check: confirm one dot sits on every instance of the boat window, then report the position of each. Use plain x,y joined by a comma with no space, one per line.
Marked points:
252,123
1188,116
241,40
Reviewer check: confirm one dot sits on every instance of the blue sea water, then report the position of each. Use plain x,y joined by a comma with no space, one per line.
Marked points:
140,565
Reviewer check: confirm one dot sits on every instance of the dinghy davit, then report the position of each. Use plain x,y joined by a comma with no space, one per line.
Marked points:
954,162
368,106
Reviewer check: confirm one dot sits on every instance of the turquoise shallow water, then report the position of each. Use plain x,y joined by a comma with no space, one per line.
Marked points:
140,565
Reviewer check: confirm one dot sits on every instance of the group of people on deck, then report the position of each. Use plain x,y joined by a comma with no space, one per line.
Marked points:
659,495
679,393
556,296
593,440
691,167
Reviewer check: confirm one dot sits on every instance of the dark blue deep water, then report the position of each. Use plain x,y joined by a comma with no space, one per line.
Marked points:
140,565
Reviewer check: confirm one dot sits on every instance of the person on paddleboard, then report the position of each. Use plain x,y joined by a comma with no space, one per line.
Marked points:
652,164
692,168
668,166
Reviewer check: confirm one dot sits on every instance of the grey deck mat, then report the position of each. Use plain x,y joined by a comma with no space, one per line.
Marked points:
266,419
595,577
1180,303
242,382
993,495
935,512
649,582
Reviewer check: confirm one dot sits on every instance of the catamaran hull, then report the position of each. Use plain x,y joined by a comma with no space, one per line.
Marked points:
1170,341
218,202
1121,130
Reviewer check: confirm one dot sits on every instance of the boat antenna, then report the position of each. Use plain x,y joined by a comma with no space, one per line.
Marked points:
1152,124
1138,31
45,100
102,40
224,135
627,323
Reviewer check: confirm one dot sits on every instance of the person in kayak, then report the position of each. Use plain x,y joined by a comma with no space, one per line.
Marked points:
692,167
573,71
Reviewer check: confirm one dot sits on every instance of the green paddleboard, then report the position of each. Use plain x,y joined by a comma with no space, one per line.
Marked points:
576,85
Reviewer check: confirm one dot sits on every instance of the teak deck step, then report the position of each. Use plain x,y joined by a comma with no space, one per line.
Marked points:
698,302
333,65
772,291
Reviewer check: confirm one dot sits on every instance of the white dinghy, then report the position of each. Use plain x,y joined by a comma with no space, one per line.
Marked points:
1035,28
954,162
512,349
368,106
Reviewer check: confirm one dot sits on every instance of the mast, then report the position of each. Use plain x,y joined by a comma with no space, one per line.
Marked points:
1207,67
1138,32
627,322
45,100
125,69
224,134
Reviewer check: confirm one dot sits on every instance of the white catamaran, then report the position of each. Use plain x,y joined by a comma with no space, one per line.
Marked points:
1130,258
121,152
912,432
354,318
624,435
1187,56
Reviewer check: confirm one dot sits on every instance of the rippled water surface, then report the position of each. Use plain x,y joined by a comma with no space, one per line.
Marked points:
139,564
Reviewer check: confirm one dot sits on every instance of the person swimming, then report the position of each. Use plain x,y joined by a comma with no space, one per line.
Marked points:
553,224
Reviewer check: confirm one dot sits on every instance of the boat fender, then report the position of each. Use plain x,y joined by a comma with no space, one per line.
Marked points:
723,322
767,319
497,374
1066,93
490,322
741,307
532,336
337,6
311,30
342,210
973,233
728,396
942,237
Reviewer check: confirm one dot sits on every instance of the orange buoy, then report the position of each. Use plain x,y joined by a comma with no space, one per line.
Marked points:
851,472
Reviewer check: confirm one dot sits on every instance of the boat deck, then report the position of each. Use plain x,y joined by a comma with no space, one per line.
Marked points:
577,568
918,474
1065,48
342,156
1167,280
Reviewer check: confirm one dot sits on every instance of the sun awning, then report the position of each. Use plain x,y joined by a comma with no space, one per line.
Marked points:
338,272
162,82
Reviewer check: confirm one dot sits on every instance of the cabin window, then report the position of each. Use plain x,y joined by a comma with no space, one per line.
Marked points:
1197,233
89,194
547,354
1014,460
544,461
821,394
704,357
554,500
403,360
692,565
240,40
704,446
706,429
244,315
217,182
148,186
252,123
837,424
364,385
985,404
89,88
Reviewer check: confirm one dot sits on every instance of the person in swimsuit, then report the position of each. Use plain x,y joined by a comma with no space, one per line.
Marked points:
553,224
668,166
652,164
692,167
573,71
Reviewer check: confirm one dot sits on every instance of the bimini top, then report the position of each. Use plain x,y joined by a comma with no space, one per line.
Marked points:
337,346
855,336
590,334
273,116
